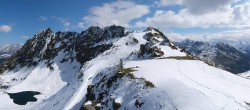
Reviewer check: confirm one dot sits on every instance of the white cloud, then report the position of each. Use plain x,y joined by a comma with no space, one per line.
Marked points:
118,13
42,18
197,6
5,28
242,35
237,1
237,16
169,2
183,19
241,15
234,35
64,21
81,25
25,37
205,6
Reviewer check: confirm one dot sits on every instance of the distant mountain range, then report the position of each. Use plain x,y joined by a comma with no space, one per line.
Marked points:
231,56
235,58
7,50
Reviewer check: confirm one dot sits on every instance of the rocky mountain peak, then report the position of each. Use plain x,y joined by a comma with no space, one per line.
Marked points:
46,45
154,35
114,31
44,34
48,30
150,29
94,30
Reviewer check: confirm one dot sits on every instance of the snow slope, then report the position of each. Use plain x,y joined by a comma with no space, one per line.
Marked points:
48,83
193,85
179,84
245,75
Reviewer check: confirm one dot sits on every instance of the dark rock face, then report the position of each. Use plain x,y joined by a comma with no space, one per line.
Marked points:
88,107
87,40
220,55
248,49
154,38
232,59
2,60
154,34
46,45
153,51
106,87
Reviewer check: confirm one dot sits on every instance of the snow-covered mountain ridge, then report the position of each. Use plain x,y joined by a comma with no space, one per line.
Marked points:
221,55
81,70
10,48
7,50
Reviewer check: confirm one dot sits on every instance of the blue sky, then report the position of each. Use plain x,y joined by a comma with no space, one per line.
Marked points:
24,16
21,19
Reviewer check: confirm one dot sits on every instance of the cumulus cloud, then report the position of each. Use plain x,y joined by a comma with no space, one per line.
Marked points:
118,13
241,35
25,37
169,2
205,6
234,35
197,6
5,28
183,19
237,16
81,25
241,15
64,21
42,18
